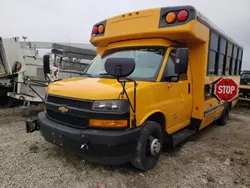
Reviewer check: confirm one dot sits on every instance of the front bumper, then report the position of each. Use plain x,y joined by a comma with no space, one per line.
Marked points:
110,147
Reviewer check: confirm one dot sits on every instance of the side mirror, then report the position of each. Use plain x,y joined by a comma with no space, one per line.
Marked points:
172,79
46,64
120,67
181,66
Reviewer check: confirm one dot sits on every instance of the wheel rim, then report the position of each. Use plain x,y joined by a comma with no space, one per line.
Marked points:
155,147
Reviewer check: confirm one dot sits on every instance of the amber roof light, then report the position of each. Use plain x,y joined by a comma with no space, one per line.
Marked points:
171,17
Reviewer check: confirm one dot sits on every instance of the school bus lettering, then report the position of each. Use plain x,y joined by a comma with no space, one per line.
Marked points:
154,82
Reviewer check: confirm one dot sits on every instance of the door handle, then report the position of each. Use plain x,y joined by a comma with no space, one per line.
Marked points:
189,88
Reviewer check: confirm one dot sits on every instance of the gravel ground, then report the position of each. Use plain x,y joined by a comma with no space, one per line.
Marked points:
216,157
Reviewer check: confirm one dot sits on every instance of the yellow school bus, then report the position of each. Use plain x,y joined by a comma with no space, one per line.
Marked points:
150,85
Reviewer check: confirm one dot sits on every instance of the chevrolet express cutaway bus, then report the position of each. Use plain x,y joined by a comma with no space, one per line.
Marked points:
169,58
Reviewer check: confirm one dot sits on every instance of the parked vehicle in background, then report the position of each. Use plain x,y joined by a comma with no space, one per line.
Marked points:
71,61
22,76
160,76
245,86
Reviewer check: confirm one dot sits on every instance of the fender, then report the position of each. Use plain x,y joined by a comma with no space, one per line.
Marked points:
151,113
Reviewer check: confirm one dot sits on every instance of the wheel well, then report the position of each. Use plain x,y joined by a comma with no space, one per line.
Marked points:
159,118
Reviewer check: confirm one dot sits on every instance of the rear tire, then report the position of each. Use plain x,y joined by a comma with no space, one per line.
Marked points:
225,116
149,146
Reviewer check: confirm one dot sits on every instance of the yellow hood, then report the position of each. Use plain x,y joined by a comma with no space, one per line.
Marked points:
87,88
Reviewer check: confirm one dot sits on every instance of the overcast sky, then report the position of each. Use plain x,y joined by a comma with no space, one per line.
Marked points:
64,20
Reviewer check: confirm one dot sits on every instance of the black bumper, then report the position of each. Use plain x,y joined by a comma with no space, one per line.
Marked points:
102,146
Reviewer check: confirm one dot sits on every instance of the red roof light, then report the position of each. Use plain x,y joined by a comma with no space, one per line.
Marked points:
182,16
95,30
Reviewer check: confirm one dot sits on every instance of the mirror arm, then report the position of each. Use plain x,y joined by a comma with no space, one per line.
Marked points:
167,79
123,83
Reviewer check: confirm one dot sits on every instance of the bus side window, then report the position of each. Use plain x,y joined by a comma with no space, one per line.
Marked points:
170,67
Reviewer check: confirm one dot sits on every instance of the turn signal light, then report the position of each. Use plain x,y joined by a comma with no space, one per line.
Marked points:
170,17
108,123
182,16
101,28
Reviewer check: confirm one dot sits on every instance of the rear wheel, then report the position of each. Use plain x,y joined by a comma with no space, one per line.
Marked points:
225,116
149,146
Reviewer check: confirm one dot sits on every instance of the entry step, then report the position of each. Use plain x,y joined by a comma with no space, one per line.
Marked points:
181,136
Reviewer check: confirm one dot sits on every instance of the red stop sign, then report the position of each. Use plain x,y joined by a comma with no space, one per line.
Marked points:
226,89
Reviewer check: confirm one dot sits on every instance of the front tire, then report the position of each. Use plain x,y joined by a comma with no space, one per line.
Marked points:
149,146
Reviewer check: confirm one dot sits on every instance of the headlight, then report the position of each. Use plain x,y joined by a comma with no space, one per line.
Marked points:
111,105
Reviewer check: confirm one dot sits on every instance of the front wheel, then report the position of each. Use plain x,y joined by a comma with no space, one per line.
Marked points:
149,146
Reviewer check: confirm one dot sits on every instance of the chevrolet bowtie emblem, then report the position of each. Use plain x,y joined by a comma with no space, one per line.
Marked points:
63,109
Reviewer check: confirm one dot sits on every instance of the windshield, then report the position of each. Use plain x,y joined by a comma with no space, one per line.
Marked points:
245,76
147,62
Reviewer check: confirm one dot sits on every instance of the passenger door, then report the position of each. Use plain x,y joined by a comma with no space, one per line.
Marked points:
179,95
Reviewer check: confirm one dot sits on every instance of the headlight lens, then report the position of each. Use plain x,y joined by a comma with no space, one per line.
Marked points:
111,105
